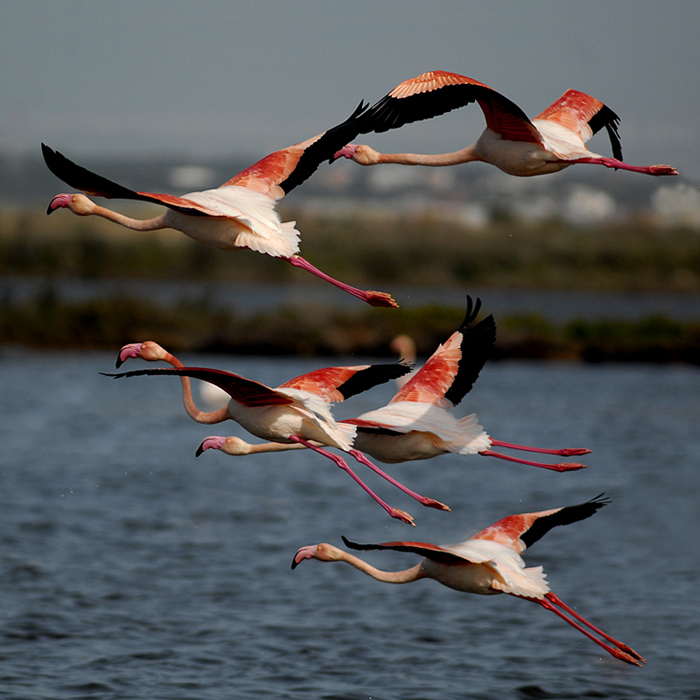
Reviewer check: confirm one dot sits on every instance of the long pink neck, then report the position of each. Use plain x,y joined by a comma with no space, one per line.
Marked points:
154,224
209,418
465,155
273,447
406,576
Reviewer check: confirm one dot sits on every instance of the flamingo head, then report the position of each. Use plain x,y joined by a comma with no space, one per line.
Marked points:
78,203
364,155
216,442
148,350
322,552
346,152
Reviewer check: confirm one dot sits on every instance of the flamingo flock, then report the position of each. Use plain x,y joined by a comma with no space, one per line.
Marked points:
419,422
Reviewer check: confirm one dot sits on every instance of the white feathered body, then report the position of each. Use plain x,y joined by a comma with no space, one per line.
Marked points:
237,217
427,431
491,568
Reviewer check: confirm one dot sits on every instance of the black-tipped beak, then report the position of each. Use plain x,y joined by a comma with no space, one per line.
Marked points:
200,449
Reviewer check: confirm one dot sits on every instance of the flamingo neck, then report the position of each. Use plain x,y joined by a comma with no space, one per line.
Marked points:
464,155
154,224
406,576
259,448
193,412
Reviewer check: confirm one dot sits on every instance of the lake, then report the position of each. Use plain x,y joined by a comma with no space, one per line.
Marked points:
131,569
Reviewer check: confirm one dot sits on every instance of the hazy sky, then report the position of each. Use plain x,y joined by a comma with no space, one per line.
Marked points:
214,77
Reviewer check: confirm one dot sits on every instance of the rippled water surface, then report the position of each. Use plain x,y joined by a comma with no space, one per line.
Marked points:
131,569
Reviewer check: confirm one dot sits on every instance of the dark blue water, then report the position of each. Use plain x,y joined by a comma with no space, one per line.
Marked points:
130,569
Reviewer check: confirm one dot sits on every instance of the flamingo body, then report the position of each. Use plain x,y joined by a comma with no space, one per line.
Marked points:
550,142
239,214
486,564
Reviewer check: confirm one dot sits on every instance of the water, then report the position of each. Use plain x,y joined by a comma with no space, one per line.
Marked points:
247,299
130,569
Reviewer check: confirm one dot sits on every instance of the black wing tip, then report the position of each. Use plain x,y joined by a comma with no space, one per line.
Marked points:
354,545
372,376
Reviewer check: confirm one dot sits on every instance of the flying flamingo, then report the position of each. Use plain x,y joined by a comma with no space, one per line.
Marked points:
487,563
297,412
239,214
417,423
550,142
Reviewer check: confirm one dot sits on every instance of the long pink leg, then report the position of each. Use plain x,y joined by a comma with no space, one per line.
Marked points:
558,601
617,653
393,512
564,467
656,170
423,500
565,452
371,297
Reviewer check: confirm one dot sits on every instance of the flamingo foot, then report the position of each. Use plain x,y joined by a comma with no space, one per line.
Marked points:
565,466
401,515
628,658
574,451
432,503
380,299
662,170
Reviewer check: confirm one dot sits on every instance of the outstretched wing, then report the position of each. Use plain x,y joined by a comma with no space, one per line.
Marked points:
424,549
437,92
339,383
574,109
521,531
85,180
452,369
291,166
243,390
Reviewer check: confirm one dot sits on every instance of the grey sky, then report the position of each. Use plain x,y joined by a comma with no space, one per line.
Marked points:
214,77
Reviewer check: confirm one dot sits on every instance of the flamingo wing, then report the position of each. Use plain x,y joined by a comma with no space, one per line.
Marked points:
424,549
437,92
339,383
85,180
574,110
291,166
452,369
245,391
521,531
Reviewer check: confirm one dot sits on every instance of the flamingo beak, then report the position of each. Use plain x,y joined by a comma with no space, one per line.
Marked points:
214,442
60,201
345,152
308,552
128,351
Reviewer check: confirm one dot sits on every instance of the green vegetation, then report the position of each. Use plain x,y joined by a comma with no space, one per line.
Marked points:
633,256
110,323
376,252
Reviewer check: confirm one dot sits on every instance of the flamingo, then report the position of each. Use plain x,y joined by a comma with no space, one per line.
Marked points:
239,214
552,141
486,564
297,412
417,422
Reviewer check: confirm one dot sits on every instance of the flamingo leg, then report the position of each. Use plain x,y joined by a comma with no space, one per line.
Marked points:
566,452
423,500
558,601
656,170
617,653
340,462
370,297
564,467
